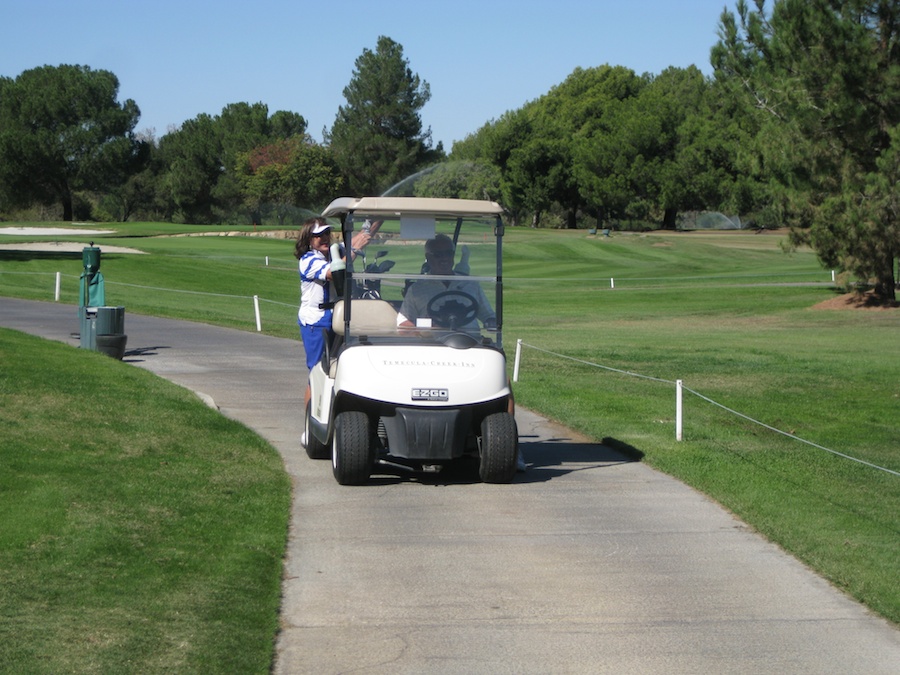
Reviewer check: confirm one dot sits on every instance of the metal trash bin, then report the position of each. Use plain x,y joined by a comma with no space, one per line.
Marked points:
110,331
110,320
112,345
103,330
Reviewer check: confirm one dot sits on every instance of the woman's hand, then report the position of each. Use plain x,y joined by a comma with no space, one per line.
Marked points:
360,240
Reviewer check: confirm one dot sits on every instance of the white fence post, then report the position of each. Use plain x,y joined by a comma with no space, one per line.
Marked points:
256,309
267,261
612,283
678,410
518,357
58,282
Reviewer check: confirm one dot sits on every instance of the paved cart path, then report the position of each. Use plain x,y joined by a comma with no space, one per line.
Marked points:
588,563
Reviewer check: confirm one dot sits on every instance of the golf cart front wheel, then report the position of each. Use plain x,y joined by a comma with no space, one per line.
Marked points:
352,454
499,448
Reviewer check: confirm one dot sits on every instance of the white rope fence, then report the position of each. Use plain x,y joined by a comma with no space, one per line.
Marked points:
679,388
638,283
254,299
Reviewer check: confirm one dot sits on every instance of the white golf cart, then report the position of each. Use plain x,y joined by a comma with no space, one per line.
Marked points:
416,396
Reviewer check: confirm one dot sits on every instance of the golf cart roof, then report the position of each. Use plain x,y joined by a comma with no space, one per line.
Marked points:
392,206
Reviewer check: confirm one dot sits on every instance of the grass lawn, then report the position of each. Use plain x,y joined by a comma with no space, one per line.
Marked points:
737,329
828,377
142,531
730,314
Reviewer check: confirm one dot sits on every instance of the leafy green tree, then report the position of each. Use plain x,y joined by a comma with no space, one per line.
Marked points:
545,166
377,138
287,174
644,148
462,179
683,145
611,139
494,144
539,174
260,173
616,144
134,198
312,176
678,178
286,124
544,150
192,157
200,177
715,164
823,77
62,130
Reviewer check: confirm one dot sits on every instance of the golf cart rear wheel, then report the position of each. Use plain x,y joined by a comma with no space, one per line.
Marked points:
352,454
499,448
315,449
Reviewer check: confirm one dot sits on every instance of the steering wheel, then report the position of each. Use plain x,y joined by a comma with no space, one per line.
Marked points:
452,309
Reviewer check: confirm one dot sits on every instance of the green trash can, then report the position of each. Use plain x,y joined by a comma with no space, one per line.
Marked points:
110,320
109,331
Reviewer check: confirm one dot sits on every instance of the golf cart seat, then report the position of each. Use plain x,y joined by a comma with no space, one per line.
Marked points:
368,316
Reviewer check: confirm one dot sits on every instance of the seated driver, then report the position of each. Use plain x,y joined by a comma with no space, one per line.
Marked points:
439,254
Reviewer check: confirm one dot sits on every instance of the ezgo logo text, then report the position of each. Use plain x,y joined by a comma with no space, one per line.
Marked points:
430,394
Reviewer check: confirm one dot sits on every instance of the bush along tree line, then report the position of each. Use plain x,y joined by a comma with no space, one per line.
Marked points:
797,126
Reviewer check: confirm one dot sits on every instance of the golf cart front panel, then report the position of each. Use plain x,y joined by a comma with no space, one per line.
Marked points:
426,376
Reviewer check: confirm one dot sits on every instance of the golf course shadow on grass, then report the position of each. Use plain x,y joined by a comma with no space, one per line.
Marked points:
24,255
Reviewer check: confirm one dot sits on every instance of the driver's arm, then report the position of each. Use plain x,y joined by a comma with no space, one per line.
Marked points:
486,313
408,309
415,305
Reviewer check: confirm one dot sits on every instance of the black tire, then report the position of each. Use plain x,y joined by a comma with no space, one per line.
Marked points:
352,453
499,448
315,449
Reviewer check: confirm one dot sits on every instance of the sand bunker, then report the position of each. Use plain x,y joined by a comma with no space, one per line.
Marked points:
50,232
57,246
64,247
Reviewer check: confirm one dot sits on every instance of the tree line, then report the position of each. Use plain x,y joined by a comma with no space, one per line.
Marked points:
797,126
68,144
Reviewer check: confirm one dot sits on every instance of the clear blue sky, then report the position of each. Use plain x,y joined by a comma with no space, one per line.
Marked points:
178,59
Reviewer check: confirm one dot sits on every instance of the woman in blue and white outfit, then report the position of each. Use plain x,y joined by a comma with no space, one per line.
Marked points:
316,291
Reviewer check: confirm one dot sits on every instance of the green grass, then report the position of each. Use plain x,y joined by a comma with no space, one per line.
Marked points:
730,314
142,531
830,377
206,279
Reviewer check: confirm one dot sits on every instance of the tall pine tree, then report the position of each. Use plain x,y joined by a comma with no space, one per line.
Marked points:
824,78
377,138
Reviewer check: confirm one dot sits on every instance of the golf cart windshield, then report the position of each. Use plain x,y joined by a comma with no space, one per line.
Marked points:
431,271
